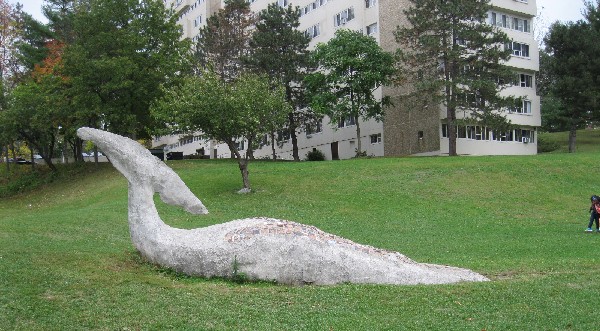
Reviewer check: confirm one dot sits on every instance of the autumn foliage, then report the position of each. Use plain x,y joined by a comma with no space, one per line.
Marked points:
53,63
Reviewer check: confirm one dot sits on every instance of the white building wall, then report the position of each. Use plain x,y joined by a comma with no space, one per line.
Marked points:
193,15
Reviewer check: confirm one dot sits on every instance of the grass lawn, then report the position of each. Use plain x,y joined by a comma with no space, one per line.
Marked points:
67,262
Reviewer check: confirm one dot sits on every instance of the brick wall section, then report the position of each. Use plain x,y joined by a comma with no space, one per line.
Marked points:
405,119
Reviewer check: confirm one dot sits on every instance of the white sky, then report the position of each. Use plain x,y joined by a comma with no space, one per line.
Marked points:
33,7
549,11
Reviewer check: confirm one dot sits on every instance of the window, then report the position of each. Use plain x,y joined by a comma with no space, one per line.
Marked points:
314,31
504,20
372,29
510,22
197,21
520,24
240,145
346,121
375,138
461,131
310,7
475,132
519,49
315,127
478,132
522,107
343,17
524,136
283,135
283,3
525,80
420,135
460,41
370,3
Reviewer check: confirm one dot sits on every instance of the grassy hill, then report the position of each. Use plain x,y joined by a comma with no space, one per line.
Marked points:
586,140
67,262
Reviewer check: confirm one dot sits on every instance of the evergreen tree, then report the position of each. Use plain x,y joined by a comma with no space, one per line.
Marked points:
224,41
573,49
554,118
32,44
61,16
447,47
280,50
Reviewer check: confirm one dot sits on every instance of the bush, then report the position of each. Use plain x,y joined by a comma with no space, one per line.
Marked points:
359,154
546,145
315,155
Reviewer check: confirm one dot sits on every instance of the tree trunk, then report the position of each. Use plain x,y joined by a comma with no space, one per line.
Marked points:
273,145
49,163
358,143
243,164
32,159
47,157
5,148
572,138
292,128
14,153
451,115
249,149
78,149
96,155
64,151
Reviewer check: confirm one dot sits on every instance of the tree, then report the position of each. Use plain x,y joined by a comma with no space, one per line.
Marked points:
9,37
9,34
121,54
226,111
280,50
31,46
61,17
449,49
224,41
554,118
35,113
351,67
573,48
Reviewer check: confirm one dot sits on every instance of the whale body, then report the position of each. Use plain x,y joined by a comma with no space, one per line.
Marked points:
261,248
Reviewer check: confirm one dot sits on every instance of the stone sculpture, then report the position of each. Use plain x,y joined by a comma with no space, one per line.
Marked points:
261,248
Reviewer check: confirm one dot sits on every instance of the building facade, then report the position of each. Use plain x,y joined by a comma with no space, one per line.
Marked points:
406,130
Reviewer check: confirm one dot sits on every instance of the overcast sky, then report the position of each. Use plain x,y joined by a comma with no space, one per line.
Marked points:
548,10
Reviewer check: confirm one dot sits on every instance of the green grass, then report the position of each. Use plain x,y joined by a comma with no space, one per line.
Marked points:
586,140
67,262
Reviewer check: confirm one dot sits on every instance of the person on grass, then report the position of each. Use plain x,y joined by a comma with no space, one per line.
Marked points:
595,214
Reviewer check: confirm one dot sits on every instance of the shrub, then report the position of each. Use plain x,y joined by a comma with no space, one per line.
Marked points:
315,155
546,145
359,154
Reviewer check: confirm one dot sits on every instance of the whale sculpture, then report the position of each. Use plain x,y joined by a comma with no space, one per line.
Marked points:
261,248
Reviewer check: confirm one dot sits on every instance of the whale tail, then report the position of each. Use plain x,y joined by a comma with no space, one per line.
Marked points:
138,165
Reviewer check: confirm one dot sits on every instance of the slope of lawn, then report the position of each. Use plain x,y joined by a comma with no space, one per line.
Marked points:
67,262
587,140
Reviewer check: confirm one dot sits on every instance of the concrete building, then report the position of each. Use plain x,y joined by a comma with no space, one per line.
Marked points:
406,130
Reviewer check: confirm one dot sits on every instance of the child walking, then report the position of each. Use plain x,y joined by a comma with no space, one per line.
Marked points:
595,214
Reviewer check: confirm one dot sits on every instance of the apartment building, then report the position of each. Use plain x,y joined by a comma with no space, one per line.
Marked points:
407,129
